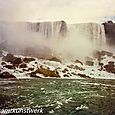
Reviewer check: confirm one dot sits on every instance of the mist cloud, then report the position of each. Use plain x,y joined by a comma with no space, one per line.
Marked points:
71,11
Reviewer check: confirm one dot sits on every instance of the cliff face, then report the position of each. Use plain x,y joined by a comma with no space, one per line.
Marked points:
110,32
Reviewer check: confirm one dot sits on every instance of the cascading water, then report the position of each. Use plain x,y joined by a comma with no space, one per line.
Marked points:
66,37
93,32
49,30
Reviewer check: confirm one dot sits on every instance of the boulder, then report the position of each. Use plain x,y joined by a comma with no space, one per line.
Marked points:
78,68
111,63
9,58
55,59
9,66
103,53
88,58
73,73
113,70
66,75
97,54
6,75
110,67
23,65
70,66
3,63
83,75
89,63
27,60
17,61
65,70
101,64
77,61
47,72
12,59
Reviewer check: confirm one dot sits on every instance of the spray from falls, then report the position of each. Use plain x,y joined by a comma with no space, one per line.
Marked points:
53,38
81,40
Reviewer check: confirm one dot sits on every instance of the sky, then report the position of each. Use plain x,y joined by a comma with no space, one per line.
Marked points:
72,11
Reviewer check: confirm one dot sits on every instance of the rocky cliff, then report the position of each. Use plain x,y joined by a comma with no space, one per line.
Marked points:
110,32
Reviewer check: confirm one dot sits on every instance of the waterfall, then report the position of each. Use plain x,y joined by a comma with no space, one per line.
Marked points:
56,30
45,37
93,32
49,30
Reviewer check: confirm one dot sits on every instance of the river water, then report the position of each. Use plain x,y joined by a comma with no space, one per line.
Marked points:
60,96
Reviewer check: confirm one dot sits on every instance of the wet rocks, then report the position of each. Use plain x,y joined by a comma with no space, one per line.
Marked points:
88,58
66,75
9,58
73,73
12,59
111,63
47,72
79,68
103,53
9,66
77,61
17,61
101,65
83,75
65,70
23,65
113,70
55,59
110,67
75,67
89,63
27,60
97,54
6,75
3,63
70,66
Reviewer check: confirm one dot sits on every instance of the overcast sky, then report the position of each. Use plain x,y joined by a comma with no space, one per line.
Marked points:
72,11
